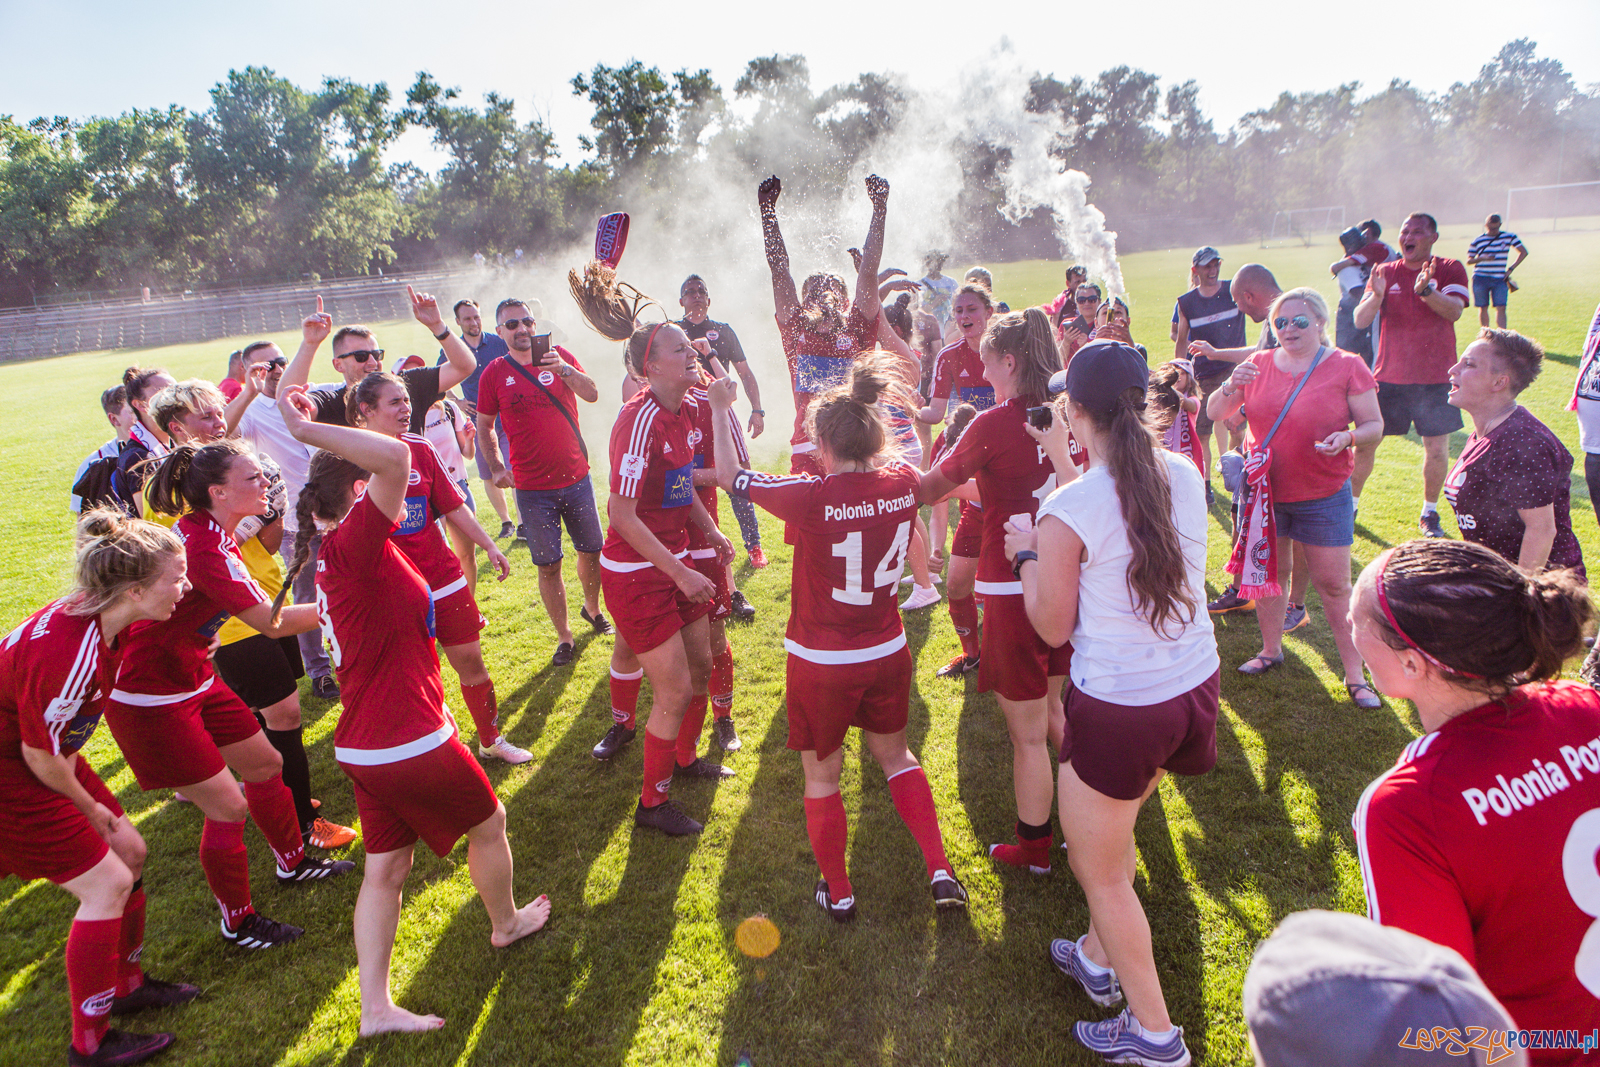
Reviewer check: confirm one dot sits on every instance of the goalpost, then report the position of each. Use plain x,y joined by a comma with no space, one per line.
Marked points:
1555,216
1300,221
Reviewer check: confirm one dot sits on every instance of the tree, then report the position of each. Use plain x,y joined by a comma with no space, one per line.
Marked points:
639,117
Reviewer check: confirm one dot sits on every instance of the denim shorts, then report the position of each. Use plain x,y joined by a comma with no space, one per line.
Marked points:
482,457
1329,522
1489,290
544,510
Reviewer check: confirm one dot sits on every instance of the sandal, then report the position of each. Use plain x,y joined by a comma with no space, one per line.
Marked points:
1371,700
1260,663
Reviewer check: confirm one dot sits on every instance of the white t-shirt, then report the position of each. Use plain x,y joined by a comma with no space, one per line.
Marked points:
263,426
1116,656
441,433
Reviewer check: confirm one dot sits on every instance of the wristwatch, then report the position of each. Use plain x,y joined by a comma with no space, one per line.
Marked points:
1022,557
759,411
442,336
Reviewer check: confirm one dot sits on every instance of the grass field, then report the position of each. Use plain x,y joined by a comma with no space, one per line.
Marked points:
638,965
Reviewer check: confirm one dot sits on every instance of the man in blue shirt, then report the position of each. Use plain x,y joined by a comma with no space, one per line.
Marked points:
1491,278
486,348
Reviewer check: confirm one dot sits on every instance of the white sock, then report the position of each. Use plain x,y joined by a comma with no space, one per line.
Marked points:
1159,1036
1090,965
1430,508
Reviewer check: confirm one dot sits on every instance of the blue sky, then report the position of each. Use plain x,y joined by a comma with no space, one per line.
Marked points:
80,58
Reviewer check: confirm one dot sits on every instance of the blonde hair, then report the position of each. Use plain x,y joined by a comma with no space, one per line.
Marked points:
116,553
1313,300
183,398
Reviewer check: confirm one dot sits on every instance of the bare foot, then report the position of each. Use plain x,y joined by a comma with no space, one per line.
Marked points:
394,1019
528,919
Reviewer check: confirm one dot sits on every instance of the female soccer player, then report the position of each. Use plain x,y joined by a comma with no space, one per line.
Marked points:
57,819
178,726
412,775
848,662
1117,565
822,331
380,403
1483,837
1014,475
146,440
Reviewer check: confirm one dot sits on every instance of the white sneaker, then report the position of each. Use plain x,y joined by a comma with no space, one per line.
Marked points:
503,749
909,578
922,596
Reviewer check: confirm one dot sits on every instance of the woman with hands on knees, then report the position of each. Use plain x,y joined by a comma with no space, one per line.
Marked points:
1300,400
395,741
1116,564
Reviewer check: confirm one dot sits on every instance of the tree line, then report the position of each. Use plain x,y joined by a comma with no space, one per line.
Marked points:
276,182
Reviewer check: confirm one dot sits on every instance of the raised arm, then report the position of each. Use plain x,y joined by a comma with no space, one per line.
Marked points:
721,393
313,331
387,458
867,305
425,309
248,392
785,299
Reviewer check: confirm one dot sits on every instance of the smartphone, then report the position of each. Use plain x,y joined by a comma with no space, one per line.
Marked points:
541,346
1041,417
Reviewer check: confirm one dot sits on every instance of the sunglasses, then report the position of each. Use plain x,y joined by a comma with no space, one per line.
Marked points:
1088,300
278,361
1299,322
374,355
512,324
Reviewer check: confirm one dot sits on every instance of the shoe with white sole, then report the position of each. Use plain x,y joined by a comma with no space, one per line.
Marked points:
1122,1040
1101,987
504,750
922,596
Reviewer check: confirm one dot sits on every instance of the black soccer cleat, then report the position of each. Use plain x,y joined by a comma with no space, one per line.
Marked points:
616,739
702,768
154,993
119,1047
948,892
843,911
258,931
667,818
741,607
310,869
726,737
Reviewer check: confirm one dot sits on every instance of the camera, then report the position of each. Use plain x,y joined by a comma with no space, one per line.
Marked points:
1041,417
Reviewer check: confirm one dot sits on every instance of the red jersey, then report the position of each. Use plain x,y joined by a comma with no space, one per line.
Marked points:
55,675
1014,476
430,495
377,618
1371,254
853,532
166,662
1415,345
820,359
652,462
1483,838
958,376
545,453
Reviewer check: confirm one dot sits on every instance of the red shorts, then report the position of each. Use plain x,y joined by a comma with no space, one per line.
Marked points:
1016,663
721,600
169,746
826,699
456,618
437,796
42,833
968,539
647,606
1117,749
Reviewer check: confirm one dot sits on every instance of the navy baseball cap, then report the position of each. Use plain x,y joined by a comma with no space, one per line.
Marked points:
1205,255
1099,373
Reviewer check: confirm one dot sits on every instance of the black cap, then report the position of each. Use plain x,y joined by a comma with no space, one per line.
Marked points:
1099,373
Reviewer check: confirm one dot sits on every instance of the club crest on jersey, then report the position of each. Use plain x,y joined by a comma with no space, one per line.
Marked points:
633,466
414,477
546,378
677,488
842,344
695,437
712,335
510,380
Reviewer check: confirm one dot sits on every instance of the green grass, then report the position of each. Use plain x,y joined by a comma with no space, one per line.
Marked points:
638,964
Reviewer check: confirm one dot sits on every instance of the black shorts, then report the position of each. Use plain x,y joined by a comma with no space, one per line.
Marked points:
260,669
1424,405
1208,384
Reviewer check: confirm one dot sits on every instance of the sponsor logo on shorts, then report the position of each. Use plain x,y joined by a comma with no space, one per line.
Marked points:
100,1003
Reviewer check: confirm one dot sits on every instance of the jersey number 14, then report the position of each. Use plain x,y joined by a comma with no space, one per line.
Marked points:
888,571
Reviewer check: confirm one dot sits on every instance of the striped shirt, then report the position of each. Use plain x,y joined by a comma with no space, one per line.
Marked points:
1491,252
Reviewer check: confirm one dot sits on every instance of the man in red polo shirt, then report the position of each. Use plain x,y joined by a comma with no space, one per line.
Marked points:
1421,296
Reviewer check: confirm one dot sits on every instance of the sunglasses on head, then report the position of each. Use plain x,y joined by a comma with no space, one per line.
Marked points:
365,355
1299,322
512,324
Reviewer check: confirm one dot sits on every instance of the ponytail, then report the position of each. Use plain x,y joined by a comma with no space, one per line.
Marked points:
1028,338
115,554
847,418
327,489
182,479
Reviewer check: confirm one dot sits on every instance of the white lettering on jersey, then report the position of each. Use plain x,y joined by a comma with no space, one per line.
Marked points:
1545,780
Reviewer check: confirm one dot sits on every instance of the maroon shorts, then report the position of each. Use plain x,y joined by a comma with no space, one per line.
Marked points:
437,796
1016,663
826,699
722,599
169,746
42,833
968,539
456,618
647,606
1117,749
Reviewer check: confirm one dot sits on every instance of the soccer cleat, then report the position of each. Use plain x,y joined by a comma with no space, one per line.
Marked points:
310,869
1121,1040
666,817
119,1047
742,608
598,620
507,529
1016,856
1230,600
948,892
504,750
922,596
616,739
958,666
324,687
325,834
842,910
701,768
258,931
1102,988
564,654
1294,618
758,558
522,532
1430,526
723,733
154,993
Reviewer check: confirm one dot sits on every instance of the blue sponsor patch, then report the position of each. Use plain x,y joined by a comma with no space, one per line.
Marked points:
979,396
813,374
78,731
431,631
209,628
677,488
416,519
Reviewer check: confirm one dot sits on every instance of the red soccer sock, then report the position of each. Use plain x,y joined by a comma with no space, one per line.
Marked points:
913,799
227,869
130,946
485,710
694,719
829,827
92,979
658,759
625,697
722,683
272,808
964,614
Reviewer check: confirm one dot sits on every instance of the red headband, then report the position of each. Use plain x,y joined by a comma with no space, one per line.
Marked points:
1394,624
649,342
